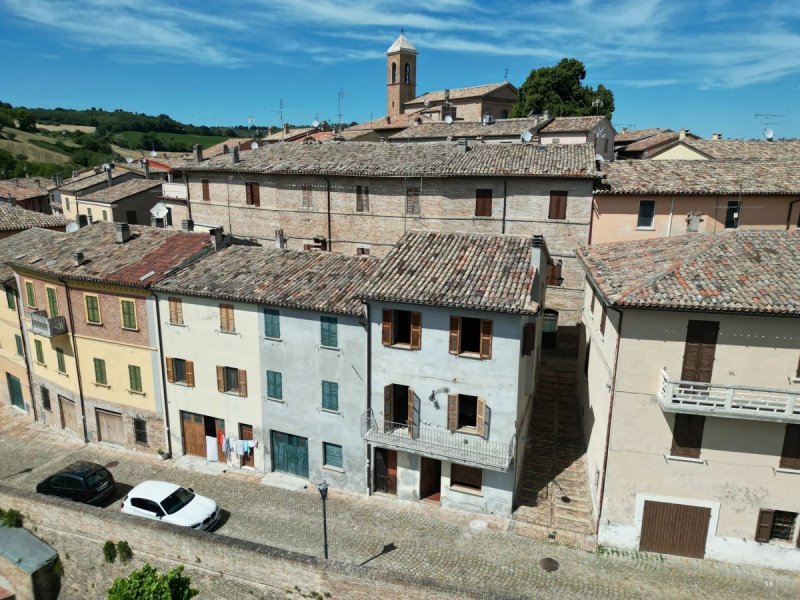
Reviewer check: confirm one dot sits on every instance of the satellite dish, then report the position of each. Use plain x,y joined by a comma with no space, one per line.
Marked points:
72,227
153,153
253,145
769,134
427,102
106,167
159,211
129,160
526,135
599,157
448,119
314,123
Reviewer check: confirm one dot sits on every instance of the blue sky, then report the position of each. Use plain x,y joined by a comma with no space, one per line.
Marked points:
708,65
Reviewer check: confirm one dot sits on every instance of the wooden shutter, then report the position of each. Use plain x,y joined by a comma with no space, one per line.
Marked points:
687,438
452,412
416,330
170,370
255,194
242,382
480,423
486,338
175,310
248,191
387,403
698,356
410,420
386,327
483,203
206,193
220,378
790,455
764,527
455,335
189,373
558,205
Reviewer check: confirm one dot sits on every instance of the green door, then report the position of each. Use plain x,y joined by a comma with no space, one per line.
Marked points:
289,453
15,391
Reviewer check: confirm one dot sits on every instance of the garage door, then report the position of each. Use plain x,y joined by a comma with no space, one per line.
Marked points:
69,417
678,529
109,427
194,434
289,453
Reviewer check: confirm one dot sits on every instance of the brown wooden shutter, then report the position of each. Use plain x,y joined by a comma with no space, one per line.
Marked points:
764,527
410,419
483,203
386,327
189,373
255,194
486,338
248,191
242,382
558,205
698,356
480,423
790,455
798,369
687,437
220,378
416,330
387,403
170,370
206,193
452,412
455,335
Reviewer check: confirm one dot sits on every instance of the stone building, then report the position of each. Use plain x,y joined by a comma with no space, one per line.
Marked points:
29,568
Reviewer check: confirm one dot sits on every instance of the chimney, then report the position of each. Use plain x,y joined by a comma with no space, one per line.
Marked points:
235,155
78,258
285,128
187,225
716,136
225,149
74,174
198,153
682,134
156,222
122,232
110,177
146,167
217,238
280,239
462,145
546,115
538,260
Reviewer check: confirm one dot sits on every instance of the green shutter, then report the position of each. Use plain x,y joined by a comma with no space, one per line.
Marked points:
20,349
62,367
328,332
30,293
11,300
135,376
92,309
274,385
52,302
330,395
128,314
39,351
272,324
333,455
100,371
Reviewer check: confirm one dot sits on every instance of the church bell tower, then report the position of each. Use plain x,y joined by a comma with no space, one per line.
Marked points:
401,75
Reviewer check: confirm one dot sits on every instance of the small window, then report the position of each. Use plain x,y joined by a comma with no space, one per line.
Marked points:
307,199
226,318
483,203
128,314
467,411
272,323
274,385
790,454
362,251
328,332
402,328
105,216
232,381
687,435
180,371
100,371
52,302
412,201
330,395
135,378
394,72
206,192
92,304
89,214
775,525
553,275
407,75
37,344
332,455
471,336
30,294
20,347
130,217
62,365
140,430
732,214
466,477
558,204
253,196
362,198
11,299
45,393
647,211
176,311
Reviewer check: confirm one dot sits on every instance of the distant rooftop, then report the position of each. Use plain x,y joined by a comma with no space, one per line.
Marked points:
747,149
461,93
120,191
14,218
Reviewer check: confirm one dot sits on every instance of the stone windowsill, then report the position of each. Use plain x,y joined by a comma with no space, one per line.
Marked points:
466,490
334,469
700,461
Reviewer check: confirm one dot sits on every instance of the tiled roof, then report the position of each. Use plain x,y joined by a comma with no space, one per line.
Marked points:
119,191
375,159
747,149
216,149
753,177
741,271
457,129
637,134
311,280
572,124
25,242
407,119
150,250
461,93
652,141
13,218
22,188
90,179
471,271
294,132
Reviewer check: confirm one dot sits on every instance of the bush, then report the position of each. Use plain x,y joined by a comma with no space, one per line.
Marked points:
124,551
147,583
10,518
11,135
109,551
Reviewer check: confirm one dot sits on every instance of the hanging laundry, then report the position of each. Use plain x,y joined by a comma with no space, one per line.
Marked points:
221,437
245,447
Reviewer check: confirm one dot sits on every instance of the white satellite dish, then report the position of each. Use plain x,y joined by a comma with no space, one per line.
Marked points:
159,211
153,153
72,227
448,119
314,123
599,157
253,145
526,135
106,167
129,160
769,134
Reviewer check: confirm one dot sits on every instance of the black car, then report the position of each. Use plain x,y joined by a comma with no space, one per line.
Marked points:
81,481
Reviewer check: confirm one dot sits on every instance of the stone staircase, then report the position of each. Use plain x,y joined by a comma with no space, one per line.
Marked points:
553,497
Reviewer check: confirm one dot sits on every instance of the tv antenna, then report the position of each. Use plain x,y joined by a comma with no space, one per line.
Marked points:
279,111
767,120
341,94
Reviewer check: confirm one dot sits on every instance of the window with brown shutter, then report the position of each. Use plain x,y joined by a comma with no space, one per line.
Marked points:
775,525
226,318
206,192
220,378
483,203
401,328
416,330
242,382
170,370
486,339
253,196
790,454
452,412
361,251
471,336
176,311
362,198
687,435
386,327
190,373
764,525
558,205
455,333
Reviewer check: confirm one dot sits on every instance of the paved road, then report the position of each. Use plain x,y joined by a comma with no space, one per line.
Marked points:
426,541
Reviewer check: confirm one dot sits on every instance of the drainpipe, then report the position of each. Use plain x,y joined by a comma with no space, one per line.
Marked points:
505,199
328,189
592,208
671,211
789,215
188,197
163,379
77,362
26,350
368,464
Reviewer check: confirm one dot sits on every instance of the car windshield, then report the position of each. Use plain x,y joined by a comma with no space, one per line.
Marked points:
97,478
177,500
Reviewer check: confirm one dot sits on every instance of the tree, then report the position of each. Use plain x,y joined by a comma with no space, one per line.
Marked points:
26,121
147,584
558,90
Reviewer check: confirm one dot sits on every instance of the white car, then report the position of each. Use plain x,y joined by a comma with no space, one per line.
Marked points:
171,503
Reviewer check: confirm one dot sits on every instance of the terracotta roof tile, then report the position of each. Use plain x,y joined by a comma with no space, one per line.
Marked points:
22,188
87,180
457,129
637,134
747,149
572,124
25,243
460,93
13,218
120,191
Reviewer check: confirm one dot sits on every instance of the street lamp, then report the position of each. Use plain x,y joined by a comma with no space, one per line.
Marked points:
323,492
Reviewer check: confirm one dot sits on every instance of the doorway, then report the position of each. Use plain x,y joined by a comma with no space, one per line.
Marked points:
430,481
385,471
246,433
69,416
15,391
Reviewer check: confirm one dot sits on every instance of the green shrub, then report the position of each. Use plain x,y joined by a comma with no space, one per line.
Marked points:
148,583
124,551
10,518
109,551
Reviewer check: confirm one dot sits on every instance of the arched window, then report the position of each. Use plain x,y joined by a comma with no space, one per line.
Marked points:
408,73
503,114
394,72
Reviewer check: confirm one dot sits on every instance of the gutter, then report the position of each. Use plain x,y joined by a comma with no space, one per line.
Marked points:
161,356
77,361
368,462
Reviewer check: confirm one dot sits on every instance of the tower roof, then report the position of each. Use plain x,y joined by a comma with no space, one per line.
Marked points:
401,44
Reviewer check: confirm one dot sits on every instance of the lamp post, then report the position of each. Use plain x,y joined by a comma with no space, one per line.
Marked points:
323,492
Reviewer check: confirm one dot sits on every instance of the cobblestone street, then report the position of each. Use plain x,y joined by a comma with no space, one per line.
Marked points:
413,539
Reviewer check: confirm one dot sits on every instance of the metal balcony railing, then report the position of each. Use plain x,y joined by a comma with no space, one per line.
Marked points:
732,401
436,443
47,327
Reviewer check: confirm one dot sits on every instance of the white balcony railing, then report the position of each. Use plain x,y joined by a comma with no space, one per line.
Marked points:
47,327
733,401
179,191
438,443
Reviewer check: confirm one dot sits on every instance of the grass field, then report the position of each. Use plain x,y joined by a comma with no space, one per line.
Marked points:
21,144
134,138
83,128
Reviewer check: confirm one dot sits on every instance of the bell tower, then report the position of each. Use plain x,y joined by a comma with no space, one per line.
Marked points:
401,75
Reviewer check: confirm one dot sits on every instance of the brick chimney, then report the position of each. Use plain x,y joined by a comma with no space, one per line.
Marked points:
225,148
235,154
682,134
280,239
146,167
198,153
122,232
109,177
285,128
78,258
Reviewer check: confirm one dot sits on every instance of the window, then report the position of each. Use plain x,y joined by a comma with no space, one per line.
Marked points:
232,381
687,436
180,371
135,378
272,323
52,302
176,311
790,454
394,72
45,393
471,336
503,114
130,217
140,430
128,314
528,338
647,211
412,201
332,455
274,385
92,304
553,275
66,204
775,525
30,294
591,306
558,204
362,198
407,76
20,348
100,371
105,216
226,321
401,328
330,395
307,200
61,364
328,333
603,322
206,192
466,413
252,195
362,251
466,477
37,344
483,203
732,214
11,300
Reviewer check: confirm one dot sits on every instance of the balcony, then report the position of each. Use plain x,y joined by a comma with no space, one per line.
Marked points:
438,443
178,191
730,401
47,327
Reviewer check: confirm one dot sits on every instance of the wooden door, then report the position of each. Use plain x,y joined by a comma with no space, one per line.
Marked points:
15,391
430,483
385,471
677,529
194,434
109,427
246,433
69,416
698,355
289,453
